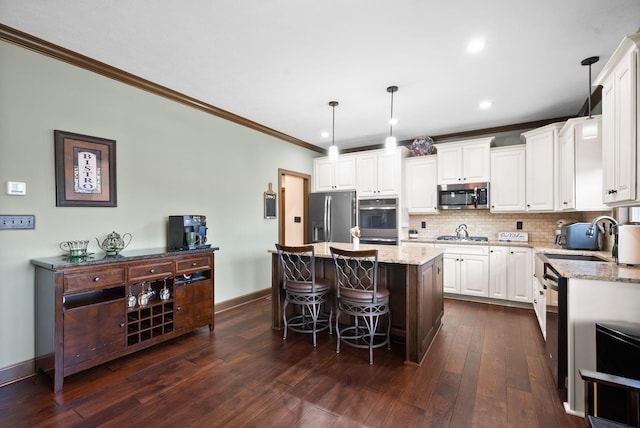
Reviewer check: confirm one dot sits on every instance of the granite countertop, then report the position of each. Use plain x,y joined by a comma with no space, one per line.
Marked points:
386,253
64,261
606,270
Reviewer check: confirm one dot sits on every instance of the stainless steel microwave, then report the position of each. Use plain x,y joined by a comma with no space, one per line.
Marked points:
467,196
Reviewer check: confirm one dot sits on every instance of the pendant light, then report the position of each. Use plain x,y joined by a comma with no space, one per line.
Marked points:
590,131
391,142
333,150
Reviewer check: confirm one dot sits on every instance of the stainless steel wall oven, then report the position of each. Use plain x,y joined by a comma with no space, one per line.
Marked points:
378,221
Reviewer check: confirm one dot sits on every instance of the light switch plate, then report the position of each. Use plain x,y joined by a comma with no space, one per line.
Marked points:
17,222
16,188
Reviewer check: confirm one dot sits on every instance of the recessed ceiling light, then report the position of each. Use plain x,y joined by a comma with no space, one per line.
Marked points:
485,104
475,45
324,134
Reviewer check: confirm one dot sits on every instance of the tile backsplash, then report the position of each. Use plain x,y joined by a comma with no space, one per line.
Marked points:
540,227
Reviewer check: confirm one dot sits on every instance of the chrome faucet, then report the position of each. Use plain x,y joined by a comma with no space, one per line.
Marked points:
592,230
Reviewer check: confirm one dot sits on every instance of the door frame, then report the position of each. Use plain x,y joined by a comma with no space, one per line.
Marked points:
306,189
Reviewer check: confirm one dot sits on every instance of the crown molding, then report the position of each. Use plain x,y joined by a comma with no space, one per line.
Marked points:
43,47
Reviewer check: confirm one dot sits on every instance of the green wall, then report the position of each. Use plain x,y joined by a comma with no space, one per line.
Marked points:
171,160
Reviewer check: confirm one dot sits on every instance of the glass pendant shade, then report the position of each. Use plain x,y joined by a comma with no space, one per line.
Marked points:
390,144
333,152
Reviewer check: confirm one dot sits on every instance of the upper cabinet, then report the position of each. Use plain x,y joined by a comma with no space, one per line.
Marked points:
379,173
541,167
464,161
334,175
421,188
619,80
580,157
507,193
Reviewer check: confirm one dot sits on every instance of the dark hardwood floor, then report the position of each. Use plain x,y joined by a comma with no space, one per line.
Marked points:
485,368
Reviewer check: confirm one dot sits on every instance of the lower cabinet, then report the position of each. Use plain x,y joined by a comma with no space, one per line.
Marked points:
540,305
466,269
91,312
511,273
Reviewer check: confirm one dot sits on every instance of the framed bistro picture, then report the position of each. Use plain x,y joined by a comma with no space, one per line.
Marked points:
85,170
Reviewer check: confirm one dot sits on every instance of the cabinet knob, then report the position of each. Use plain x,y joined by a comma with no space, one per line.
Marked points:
121,325
152,271
535,301
179,308
194,264
96,279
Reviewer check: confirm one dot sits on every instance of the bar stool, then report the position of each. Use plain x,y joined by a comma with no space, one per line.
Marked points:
304,290
358,296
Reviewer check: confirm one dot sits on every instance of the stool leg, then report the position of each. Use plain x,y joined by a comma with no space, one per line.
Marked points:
284,317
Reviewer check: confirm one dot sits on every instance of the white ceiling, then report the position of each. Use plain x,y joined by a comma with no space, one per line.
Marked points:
280,62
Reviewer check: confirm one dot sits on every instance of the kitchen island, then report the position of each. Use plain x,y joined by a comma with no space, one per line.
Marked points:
413,277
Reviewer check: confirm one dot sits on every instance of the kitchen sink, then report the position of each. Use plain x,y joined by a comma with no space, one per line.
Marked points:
455,238
577,257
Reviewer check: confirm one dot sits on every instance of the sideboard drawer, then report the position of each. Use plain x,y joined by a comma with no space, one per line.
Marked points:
94,278
148,271
193,264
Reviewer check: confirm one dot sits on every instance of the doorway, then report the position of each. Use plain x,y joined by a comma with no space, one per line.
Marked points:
293,188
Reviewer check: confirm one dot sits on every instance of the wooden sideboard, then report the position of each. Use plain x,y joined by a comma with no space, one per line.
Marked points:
83,317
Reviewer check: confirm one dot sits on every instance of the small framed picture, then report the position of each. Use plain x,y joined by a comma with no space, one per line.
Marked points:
270,203
85,170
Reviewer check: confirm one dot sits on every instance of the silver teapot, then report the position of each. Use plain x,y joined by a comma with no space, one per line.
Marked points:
461,231
114,243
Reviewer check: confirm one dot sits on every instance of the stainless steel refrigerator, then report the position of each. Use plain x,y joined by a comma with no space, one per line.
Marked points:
331,215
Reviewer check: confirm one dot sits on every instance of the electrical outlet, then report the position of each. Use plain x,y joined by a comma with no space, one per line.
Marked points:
17,222
519,225
423,225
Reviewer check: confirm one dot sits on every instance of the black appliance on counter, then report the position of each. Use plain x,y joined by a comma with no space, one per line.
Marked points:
464,196
187,232
617,353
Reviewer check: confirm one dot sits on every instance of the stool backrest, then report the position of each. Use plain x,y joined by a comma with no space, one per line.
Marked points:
356,271
298,264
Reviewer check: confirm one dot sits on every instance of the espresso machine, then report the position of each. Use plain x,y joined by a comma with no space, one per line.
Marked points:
187,232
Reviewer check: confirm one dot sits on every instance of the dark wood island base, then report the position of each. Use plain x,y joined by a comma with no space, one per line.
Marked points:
412,275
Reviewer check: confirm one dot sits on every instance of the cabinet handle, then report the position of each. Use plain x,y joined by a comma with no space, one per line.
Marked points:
152,271
512,252
541,292
96,279
535,301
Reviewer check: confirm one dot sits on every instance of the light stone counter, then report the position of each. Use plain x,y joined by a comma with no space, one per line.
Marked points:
386,253
600,271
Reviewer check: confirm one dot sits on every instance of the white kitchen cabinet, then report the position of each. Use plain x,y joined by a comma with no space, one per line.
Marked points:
619,79
466,161
421,186
540,305
466,269
508,187
379,173
510,273
334,175
541,167
580,172
519,274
